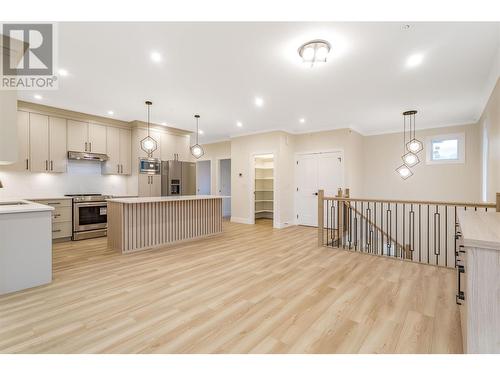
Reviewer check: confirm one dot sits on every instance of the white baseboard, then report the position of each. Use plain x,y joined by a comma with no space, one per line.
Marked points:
284,225
240,220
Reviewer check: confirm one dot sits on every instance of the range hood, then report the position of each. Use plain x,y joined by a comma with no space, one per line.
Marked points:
75,155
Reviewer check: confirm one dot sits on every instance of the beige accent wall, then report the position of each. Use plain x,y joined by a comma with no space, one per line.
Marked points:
448,182
490,124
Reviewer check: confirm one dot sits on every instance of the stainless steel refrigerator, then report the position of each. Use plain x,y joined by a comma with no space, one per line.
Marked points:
178,178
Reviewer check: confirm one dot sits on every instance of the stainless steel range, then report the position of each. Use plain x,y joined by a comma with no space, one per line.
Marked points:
90,216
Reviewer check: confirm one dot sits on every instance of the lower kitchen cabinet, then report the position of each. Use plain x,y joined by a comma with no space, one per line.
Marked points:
62,217
149,185
478,281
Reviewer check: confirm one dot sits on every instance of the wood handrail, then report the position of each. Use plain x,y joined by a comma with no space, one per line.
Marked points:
438,203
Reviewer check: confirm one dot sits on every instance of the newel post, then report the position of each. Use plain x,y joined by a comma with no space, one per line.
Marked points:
321,216
498,202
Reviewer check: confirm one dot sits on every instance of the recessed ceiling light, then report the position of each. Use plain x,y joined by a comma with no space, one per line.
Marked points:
155,56
200,131
239,124
414,60
259,102
38,97
302,120
163,123
63,72
111,113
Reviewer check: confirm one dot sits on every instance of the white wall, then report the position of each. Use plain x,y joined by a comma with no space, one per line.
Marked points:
490,123
214,152
82,177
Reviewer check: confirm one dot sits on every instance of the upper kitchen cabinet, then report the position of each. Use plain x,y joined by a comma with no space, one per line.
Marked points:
183,148
22,163
168,146
47,143
97,138
78,136
39,143
58,150
119,148
85,137
175,147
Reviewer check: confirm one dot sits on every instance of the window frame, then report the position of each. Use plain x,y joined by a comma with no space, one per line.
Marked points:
460,137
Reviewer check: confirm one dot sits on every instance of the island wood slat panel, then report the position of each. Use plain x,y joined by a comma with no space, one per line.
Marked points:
140,226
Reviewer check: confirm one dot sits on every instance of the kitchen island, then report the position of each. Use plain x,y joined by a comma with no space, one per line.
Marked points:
25,245
136,224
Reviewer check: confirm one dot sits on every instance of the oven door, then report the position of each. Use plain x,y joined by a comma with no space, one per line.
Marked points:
90,216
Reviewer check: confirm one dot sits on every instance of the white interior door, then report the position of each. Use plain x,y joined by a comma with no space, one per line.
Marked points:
314,172
203,177
307,187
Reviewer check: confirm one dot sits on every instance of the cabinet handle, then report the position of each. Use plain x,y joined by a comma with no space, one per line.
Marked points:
51,165
27,164
46,165
90,146
57,215
56,230
52,203
85,146
118,168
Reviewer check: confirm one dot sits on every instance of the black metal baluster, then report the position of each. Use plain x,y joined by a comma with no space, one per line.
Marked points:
389,228
428,234
437,234
419,233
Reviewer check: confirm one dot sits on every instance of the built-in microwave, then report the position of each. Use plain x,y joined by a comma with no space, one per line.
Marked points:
149,166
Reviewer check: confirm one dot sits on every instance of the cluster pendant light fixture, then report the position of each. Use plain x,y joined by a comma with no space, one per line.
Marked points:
149,144
196,150
410,148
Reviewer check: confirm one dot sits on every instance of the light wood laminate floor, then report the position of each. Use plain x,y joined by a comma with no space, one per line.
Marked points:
252,289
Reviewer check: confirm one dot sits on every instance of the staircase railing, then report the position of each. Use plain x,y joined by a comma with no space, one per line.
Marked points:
417,231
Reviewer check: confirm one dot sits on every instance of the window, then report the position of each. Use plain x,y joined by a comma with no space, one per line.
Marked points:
447,148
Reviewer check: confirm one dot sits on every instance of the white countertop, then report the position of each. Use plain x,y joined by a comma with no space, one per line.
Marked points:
21,208
165,199
480,229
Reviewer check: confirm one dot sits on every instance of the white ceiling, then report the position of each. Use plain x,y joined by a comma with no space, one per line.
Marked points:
217,70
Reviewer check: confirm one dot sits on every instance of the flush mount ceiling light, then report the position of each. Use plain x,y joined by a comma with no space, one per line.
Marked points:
414,145
149,144
197,150
315,51
404,172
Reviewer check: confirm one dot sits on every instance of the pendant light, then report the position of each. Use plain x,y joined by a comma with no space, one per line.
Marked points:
414,145
410,158
149,144
197,150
